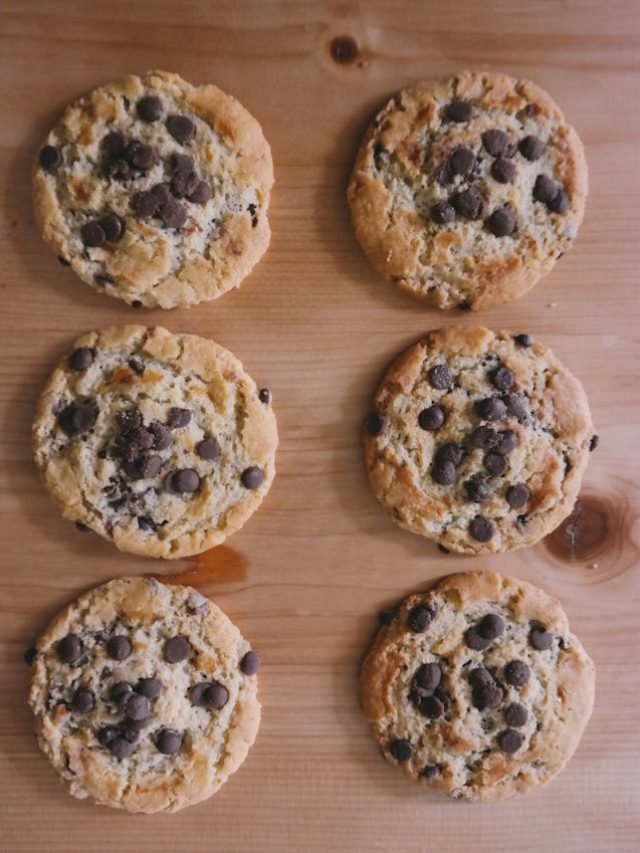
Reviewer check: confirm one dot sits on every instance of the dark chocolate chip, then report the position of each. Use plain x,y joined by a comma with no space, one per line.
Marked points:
77,417
420,617
202,193
516,715
173,214
491,408
250,663
178,417
144,204
119,647
401,750
83,701
149,687
444,473
440,377
510,741
502,378
50,158
119,690
430,771
252,477
136,365
475,641
161,436
196,694
469,203
81,358
92,235
507,441
103,279
461,162
480,677
595,441
487,696
491,626
177,649
531,147
540,639
502,222
449,453
517,673
477,489
481,528
431,707
181,128
30,655
208,449
523,340
145,522
559,204
69,649
131,728
168,741
518,407
182,481
386,617
443,212
496,142
375,423
144,467
149,108
216,695
184,183
182,162
503,171
107,734
459,111
264,395
431,419
545,189
517,495
120,747
428,677
135,706
495,464
113,227
113,144
140,156
484,437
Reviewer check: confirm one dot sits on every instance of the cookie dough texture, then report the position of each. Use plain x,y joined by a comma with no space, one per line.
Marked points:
537,441
458,753
113,441
215,742
154,264
404,168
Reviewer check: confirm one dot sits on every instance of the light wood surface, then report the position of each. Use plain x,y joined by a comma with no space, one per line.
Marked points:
306,576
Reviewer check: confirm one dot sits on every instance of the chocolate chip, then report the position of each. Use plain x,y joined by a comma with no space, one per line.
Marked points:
208,449
502,222
487,696
30,655
216,695
559,204
172,214
107,734
264,395
140,156
252,477
507,441
168,741
491,626
250,663
120,747
131,728
375,423
531,147
136,365
517,495
444,473
431,707
595,441
77,417
503,171
440,377
182,162
523,340
135,706
113,144
496,142
545,189
495,464
82,358
502,378
144,467
458,111
149,108
461,162
69,649
182,481
386,617
83,701
469,203
177,649
196,694
178,417
401,750
181,128
119,690
517,673
480,677
540,639
145,522
491,408
430,771
144,204
184,183
518,407
484,437
161,436
443,212
449,453
510,741
149,687
50,158
481,528
477,489
431,419
420,617
202,193
93,235
475,641
428,677
516,715
112,226
119,647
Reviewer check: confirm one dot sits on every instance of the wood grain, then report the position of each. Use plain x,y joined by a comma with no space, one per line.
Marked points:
310,570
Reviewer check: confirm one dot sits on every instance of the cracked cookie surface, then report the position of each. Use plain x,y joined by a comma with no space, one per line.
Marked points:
160,443
478,440
155,191
477,688
466,190
144,696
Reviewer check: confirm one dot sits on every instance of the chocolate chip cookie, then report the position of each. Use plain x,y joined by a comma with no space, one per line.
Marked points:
467,190
477,688
478,440
155,191
161,443
144,696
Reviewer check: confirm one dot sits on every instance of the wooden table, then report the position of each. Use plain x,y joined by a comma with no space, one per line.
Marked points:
306,576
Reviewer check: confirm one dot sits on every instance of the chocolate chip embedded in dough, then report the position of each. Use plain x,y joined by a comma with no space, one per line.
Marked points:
119,647
144,204
491,626
92,235
83,701
140,156
178,417
181,128
461,161
113,144
497,143
401,750
531,147
182,162
477,488
113,227
517,407
177,649
516,715
420,617
481,528
196,694
172,214
480,677
517,673
444,473
208,449
469,203
135,706
503,171
443,213
540,639
487,696
427,677
523,340
201,194
502,222
82,358
161,436
560,204
168,741
250,663
430,771
506,442
121,748
510,741
184,183
119,689
77,417
375,423
459,111
431,707
216,695
431,419
517,496
484,437
491,408
50,158
252,477
502,378
545,189
182,481
449,452
149,687
495,464
474,640
149,108
440,377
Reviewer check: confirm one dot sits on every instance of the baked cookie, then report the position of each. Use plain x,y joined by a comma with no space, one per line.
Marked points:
144,695
155,191
477,688
478,440
467,190
161,443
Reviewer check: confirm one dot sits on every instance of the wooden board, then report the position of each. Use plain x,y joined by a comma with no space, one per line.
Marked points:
308,573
